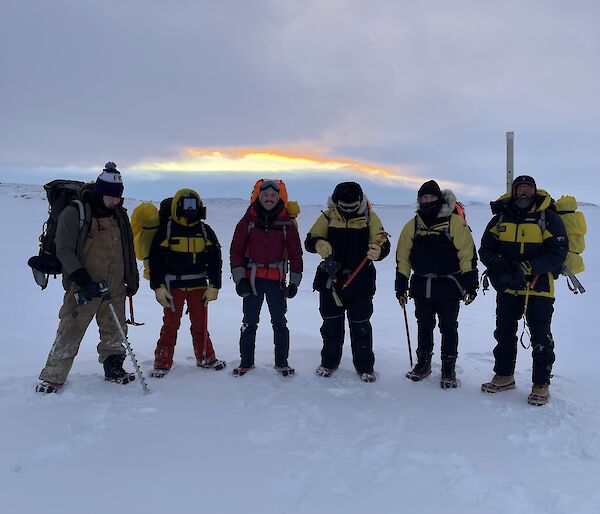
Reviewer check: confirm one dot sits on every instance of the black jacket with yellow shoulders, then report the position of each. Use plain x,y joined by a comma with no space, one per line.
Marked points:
536,238
186,255
349,238
441,254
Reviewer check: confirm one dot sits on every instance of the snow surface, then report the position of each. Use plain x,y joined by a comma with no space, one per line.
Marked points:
203,441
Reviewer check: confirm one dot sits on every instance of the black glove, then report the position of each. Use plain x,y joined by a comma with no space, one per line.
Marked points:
469,281
291,291
469,296
89,291
401,285
244,288
518,280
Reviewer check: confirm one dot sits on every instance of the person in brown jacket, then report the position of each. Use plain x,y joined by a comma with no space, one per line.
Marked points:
97,248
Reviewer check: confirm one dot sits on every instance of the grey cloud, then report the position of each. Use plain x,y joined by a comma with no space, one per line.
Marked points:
434,83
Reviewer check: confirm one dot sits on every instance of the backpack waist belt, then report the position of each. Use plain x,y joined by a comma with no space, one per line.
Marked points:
253,266
177,278
430,276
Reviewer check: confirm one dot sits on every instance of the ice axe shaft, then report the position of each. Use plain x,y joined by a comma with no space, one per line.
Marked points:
407,336
105,293
132,321
379,241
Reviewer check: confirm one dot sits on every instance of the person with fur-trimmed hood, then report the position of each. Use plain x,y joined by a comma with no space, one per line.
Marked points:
522,247
95,249
265,242
437,246
344,234
185,268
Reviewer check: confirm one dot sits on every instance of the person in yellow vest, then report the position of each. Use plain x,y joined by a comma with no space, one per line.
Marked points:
436,244
185,267
523,245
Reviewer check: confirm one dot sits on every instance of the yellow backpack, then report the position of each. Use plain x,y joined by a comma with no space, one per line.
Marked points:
574,221
144,224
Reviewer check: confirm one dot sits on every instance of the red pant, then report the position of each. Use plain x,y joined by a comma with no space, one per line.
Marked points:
165,347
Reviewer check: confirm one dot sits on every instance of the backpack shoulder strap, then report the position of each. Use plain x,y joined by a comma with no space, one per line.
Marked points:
417,228
204,235
542,221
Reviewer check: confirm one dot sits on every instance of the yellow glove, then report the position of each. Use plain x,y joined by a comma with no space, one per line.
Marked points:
323,248
163,296
211,293
374,251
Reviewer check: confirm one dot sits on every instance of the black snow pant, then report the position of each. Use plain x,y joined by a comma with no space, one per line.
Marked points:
447,312
509,310
359,310
277,308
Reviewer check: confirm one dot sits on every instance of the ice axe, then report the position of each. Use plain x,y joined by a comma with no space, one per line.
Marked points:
330,267
132,320
106,296
378,241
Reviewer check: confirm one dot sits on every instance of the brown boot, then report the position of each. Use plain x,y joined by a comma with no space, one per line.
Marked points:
540,395
499,383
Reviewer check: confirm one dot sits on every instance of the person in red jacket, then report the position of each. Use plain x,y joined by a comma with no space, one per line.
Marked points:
265,241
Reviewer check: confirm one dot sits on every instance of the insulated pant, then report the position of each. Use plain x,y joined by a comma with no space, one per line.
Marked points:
359,310
74,321
165,346
509,310
102,257
447,312
277,307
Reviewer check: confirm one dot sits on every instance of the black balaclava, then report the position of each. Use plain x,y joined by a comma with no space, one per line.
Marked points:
430,210
522,203
347,196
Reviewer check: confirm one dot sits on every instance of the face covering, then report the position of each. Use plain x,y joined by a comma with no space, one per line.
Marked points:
430,209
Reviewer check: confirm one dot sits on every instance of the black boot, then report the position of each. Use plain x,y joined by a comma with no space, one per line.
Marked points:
423,367
448,380
114,372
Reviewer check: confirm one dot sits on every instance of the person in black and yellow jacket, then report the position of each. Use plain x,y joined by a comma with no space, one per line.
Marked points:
344,234
185,266
437,245
523,245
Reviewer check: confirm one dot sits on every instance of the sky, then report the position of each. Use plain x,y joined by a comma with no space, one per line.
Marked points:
214,95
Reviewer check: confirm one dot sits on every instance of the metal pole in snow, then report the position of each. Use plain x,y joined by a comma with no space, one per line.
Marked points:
510,162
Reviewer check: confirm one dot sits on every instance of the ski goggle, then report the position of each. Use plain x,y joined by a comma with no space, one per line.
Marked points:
189,204
348,207
269,184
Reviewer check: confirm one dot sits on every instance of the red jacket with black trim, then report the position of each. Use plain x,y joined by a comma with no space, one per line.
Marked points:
266,237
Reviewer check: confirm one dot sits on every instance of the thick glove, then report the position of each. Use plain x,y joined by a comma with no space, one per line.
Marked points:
88,291
518,280
402,298
243,288
291,291
211,294
374,251
163,296
470,296
323,248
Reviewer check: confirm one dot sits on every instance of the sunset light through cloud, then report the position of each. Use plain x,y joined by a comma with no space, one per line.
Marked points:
274,161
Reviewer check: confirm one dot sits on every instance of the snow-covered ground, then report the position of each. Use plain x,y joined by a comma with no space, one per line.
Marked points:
203,441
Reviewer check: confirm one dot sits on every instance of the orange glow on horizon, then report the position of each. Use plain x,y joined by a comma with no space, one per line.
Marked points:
276,160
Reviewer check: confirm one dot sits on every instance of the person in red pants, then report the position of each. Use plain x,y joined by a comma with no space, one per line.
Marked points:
185,267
